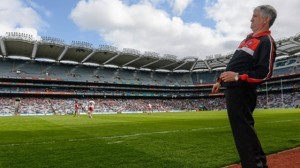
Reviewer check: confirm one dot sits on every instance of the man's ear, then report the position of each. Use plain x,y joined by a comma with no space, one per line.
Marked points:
267,20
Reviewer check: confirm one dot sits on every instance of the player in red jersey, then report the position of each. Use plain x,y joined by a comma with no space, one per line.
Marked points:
76,106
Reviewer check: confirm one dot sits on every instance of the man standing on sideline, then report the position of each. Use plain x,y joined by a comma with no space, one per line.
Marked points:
250,65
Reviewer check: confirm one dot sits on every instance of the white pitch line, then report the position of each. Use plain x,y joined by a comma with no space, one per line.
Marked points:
209,128
29,143
115,142
131,135
280,121
111,137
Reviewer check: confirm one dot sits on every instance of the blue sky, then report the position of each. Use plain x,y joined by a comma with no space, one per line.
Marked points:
55,14
184,28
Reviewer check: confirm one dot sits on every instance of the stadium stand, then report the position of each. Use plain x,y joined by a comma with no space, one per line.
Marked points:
46,77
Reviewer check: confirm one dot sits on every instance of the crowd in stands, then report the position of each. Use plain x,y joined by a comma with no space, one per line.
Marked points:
6,106
62,106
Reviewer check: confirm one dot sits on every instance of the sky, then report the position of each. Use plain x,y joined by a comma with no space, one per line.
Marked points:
184,28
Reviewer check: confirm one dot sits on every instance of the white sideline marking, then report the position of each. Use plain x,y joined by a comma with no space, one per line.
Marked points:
131,135
115,142
29,143
111,137
209,128
280,121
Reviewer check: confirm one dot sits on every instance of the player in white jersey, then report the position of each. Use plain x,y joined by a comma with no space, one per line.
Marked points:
149,111
91,106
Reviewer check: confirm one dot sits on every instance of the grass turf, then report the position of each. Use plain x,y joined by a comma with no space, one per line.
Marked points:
170,140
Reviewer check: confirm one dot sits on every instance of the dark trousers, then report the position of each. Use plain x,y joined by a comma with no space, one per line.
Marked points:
241,102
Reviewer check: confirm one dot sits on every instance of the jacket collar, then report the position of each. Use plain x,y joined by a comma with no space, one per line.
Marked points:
268,32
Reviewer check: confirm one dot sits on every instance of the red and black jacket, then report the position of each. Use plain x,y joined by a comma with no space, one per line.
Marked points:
253,60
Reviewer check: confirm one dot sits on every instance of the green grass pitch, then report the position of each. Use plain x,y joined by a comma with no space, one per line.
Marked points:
159,140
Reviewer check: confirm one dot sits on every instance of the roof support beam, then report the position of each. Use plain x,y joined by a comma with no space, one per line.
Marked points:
180,66
2,45
87,57
205,62
35,46
63,53
112,58
150,63
194,64
282,51
295,42
221,62
167,65
132,61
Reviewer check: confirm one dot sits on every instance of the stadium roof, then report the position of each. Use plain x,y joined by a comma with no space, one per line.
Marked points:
16,44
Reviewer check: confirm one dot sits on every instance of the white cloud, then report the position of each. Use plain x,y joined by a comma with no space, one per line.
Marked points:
147,25
141,26
180,5
144,27
177,6
39,8
287,22
19,18
233,17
